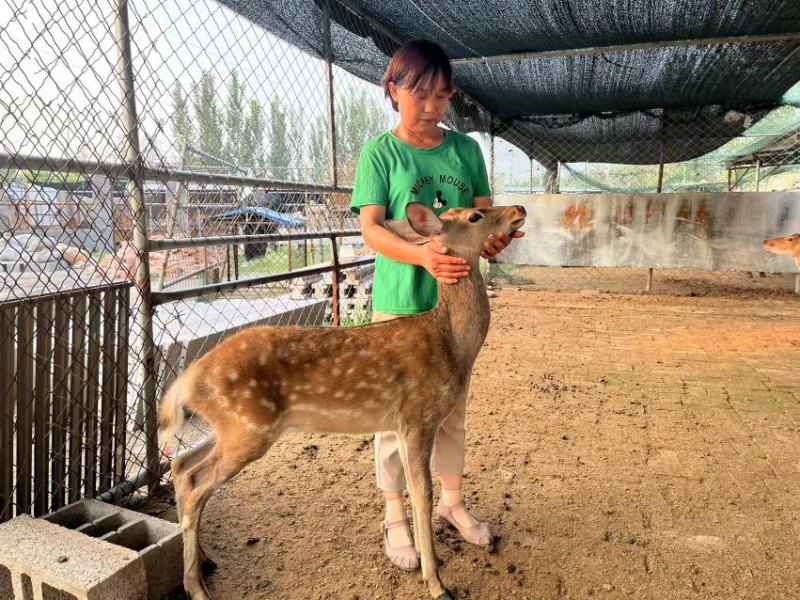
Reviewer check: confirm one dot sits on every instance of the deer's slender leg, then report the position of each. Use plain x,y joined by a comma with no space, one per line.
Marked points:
180,464
414,516
416,450
197,486
188,459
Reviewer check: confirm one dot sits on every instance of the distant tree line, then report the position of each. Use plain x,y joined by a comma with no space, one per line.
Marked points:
273,141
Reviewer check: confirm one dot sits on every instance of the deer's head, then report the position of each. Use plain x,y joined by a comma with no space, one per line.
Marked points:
463,230
789,244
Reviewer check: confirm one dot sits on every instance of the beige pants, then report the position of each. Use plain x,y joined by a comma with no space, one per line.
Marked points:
448,450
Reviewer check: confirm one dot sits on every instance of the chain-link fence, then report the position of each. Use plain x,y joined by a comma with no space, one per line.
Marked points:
223,162
187,128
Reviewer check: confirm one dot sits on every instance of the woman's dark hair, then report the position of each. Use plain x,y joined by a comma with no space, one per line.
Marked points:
415,64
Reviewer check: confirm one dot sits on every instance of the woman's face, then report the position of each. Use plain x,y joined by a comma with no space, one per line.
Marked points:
421,110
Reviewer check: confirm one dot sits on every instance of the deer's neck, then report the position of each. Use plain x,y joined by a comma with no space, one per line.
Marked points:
464,309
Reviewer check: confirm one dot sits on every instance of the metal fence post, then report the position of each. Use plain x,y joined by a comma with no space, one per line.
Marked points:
326,34
143,343
335,284
491,154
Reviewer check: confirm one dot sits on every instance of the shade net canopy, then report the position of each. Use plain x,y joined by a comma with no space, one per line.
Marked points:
671,96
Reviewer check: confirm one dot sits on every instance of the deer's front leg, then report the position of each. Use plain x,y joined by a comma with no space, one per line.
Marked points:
416,448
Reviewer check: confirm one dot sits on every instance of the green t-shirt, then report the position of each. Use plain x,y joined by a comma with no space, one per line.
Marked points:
393,173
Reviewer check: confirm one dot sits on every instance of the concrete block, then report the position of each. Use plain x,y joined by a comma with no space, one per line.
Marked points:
159,543
128,555
42,561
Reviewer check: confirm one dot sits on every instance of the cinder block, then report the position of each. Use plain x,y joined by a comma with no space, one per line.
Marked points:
158,542
322,290
128,555
42,561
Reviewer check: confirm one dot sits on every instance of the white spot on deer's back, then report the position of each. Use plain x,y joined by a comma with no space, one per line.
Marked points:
243,346
263,359
256,428
252,383
267,404
233,376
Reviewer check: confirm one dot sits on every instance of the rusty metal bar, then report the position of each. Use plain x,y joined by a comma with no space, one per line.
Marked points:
163,174
176,243
164,297
335,283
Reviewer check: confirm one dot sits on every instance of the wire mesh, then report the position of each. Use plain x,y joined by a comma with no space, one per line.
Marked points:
216,99
235,134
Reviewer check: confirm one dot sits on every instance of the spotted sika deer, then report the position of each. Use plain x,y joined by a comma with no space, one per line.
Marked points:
404,375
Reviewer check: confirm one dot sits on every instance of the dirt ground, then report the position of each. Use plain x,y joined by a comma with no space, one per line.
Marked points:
620,445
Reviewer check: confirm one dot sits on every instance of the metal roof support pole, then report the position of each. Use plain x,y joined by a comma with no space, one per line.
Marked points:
531,183
551,176
730,180
326,40
659,189
558,177
491,153
758,174
142,344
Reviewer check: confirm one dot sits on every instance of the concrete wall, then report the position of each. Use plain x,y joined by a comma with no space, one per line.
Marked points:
686,230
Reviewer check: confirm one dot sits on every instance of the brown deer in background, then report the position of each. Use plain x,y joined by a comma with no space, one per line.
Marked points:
404,375
789,244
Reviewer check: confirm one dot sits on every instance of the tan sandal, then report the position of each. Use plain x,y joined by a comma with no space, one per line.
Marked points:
405,557
477,534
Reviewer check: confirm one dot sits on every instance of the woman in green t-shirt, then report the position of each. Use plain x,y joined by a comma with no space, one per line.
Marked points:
418,161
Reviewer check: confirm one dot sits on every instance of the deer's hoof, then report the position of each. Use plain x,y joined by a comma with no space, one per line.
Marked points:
445,596
208,566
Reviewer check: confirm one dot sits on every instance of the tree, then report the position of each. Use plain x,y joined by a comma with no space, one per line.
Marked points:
234,119
208,117
279,148
252,154
296,144
182,128
358,119
318,152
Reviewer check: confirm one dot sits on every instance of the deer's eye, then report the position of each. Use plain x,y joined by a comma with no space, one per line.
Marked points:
475,217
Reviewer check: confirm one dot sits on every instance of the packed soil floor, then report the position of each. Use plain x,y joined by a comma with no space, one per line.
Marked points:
620,445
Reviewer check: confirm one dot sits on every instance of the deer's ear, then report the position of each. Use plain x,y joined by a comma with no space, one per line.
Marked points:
423,220
404,230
